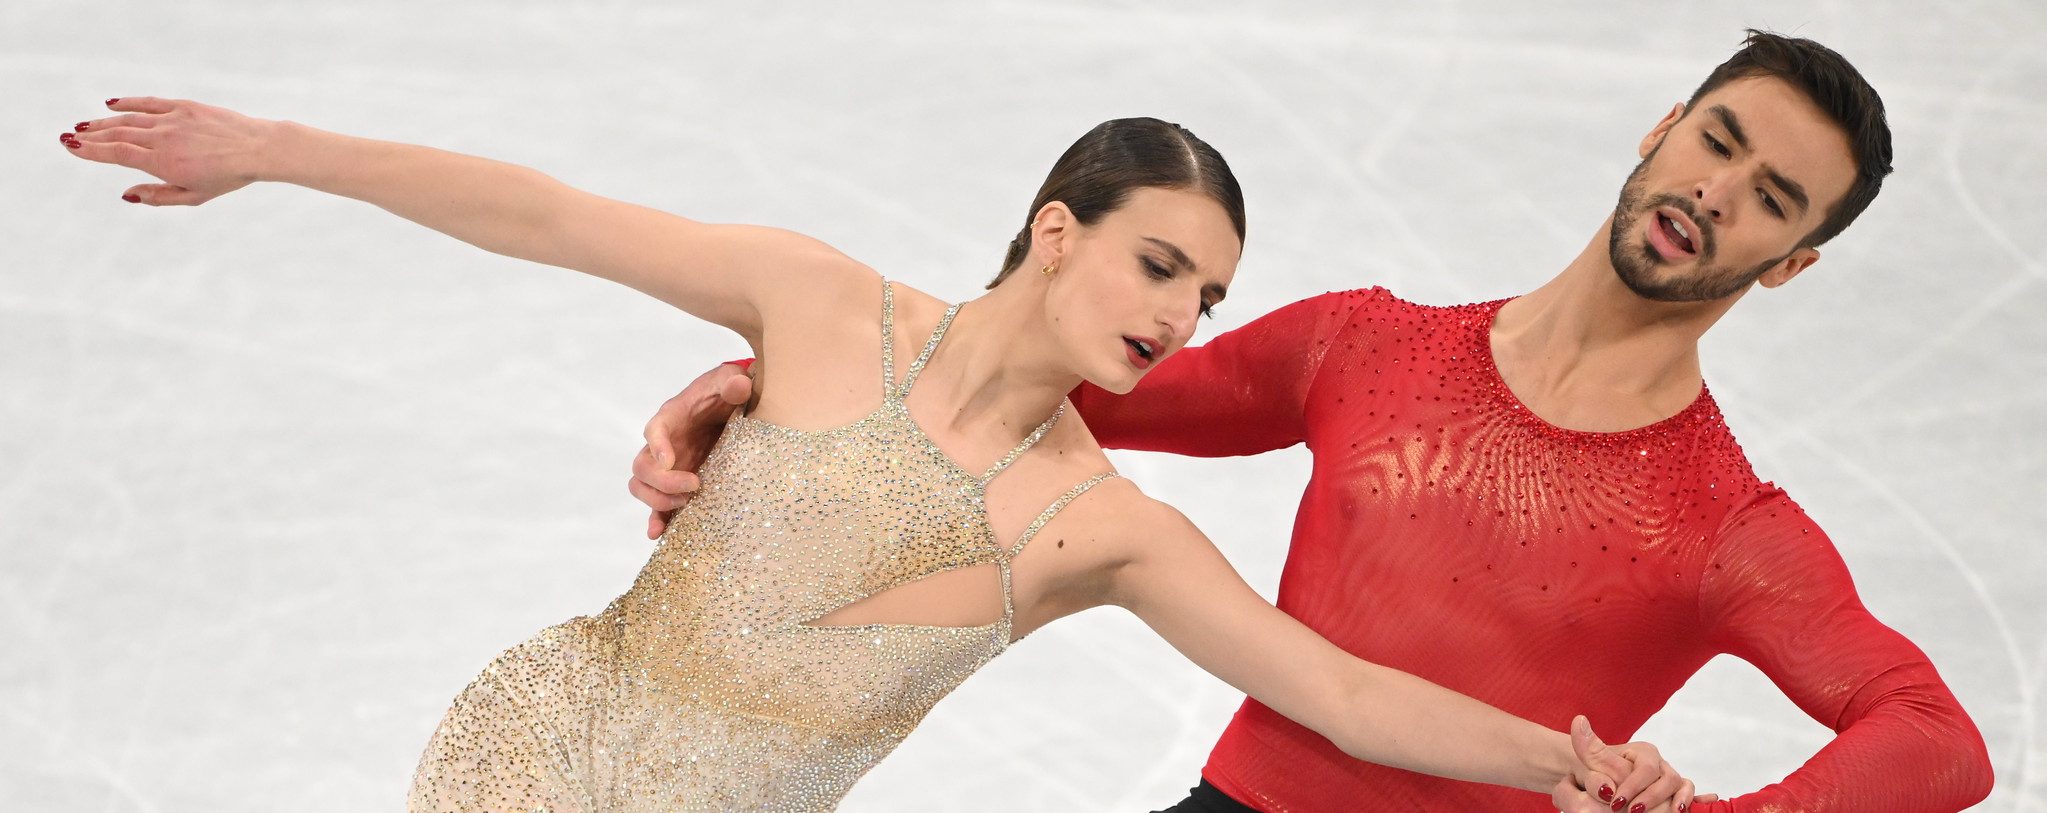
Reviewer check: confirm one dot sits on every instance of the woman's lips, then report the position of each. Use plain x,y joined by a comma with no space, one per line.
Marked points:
1138,359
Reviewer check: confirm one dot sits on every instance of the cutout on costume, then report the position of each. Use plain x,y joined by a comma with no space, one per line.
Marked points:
962,597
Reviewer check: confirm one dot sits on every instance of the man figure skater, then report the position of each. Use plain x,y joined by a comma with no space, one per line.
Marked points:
1495,484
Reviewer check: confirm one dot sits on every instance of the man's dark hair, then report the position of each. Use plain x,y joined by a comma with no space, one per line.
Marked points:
1839,90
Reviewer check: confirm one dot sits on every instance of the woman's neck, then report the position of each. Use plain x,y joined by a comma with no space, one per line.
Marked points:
999,371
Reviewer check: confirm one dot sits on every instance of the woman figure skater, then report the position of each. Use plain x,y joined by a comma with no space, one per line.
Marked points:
892,512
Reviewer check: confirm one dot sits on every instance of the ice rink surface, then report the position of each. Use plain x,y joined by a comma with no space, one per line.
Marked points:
278,475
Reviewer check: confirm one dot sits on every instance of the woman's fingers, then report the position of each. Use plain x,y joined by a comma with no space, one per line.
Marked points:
1597,785
138,136
1681,801
163,194
119,153
1567,797
139,121
142,104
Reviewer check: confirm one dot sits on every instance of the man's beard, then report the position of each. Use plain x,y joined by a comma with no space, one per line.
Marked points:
1635,263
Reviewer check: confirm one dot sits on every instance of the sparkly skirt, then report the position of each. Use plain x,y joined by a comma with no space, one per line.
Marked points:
556,724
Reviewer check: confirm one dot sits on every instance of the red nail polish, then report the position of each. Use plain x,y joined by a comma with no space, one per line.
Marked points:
110,102
1620,803
132,198
1606,793
81,126
1638,808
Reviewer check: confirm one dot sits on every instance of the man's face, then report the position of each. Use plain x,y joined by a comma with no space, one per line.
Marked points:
1725,192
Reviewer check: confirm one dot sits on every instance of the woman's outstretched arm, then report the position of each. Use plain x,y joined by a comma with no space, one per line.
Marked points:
1176,581
719,273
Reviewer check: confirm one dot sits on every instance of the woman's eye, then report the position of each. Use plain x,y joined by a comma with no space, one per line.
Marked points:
1156,269
1208,310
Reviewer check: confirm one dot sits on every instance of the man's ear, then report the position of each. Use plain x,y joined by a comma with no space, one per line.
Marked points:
1789,267
1662,128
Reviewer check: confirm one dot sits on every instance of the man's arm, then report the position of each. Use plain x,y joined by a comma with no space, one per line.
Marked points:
1777,595
1242,393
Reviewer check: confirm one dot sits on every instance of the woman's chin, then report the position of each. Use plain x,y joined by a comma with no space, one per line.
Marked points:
1120,382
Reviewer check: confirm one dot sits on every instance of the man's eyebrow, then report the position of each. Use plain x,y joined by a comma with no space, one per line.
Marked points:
1791,188
1732,124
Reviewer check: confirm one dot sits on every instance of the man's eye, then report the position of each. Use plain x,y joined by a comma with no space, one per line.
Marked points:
1718,147
1771,202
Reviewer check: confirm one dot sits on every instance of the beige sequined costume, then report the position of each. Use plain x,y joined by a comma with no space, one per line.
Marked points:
702,688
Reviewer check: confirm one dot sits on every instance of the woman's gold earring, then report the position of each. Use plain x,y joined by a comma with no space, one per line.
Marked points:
1049,269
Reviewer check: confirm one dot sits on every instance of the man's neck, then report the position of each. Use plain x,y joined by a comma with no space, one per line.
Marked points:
1584,352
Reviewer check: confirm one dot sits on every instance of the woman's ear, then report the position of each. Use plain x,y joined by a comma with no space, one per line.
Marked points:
1050,229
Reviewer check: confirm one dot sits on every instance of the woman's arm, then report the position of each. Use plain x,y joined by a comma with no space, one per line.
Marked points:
1174,579
720,273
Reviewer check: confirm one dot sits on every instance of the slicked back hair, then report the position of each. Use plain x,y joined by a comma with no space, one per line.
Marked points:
1097,174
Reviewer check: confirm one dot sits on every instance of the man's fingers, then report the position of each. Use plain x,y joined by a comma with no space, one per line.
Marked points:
662,478
656,522
1584,743
142,104
1646,772
1645,793
1592,752
656,500
737,390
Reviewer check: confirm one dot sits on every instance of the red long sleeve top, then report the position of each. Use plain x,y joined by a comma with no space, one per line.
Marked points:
1449,532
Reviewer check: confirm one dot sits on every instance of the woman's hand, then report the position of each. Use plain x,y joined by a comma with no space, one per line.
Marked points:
1649,785
200,152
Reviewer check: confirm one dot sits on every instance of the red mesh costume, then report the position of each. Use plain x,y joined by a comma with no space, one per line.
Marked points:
1449,532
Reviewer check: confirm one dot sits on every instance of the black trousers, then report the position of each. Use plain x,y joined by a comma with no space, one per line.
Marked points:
1205,798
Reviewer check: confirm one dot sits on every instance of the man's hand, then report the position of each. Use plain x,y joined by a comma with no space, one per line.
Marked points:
679,436
1631,778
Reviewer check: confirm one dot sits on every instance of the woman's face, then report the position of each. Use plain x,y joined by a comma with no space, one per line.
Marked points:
1130,289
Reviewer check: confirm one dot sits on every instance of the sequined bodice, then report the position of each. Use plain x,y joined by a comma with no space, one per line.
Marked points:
789,526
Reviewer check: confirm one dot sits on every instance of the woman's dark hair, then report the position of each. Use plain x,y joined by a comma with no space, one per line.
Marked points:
1839,90
1100,170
